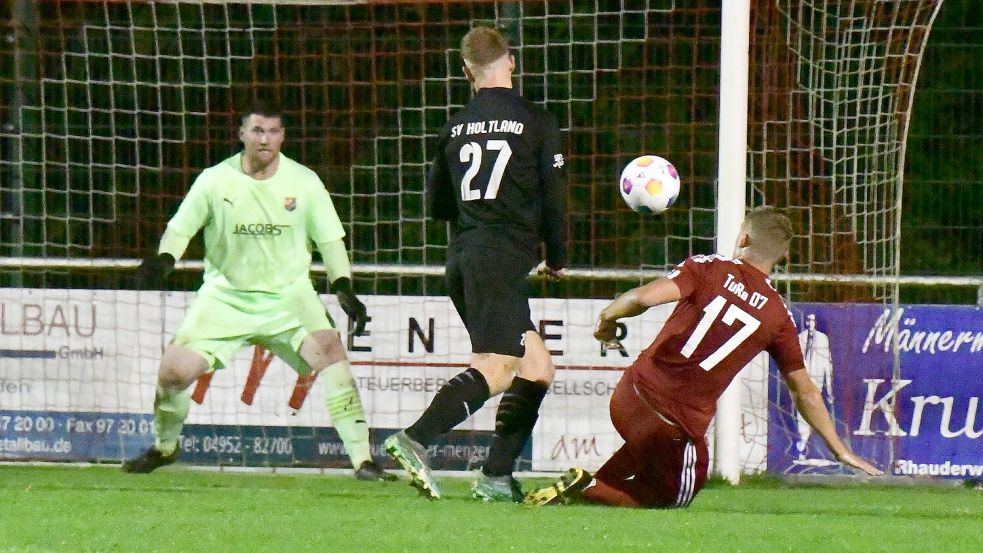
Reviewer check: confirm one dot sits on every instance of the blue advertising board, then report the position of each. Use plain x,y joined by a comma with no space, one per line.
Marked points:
113,437
924,420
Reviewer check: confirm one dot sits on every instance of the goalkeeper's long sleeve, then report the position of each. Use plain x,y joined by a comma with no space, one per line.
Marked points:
335,258
173,243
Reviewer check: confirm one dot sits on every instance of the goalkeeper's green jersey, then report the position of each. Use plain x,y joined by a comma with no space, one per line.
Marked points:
258,233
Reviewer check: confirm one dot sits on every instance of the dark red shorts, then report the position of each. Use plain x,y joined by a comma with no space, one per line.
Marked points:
659,465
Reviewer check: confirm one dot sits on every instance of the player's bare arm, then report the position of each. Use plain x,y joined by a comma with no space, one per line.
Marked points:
809,401
632,303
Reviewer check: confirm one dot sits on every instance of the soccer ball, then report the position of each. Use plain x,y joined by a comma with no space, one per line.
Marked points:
649,184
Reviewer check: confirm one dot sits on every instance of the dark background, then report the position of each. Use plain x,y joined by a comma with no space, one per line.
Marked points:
121,104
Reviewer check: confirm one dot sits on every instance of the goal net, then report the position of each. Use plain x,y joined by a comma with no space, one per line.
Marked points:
112,108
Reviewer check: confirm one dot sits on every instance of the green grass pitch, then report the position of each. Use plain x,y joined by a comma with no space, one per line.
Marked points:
81,509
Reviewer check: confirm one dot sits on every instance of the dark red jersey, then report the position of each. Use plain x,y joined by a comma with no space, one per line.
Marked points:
728,314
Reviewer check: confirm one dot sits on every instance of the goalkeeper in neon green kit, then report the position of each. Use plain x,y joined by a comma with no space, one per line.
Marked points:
261,212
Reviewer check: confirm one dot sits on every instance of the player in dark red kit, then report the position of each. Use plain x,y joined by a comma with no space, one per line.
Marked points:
728,312
498,177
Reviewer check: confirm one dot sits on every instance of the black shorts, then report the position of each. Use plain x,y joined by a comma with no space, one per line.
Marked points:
490,289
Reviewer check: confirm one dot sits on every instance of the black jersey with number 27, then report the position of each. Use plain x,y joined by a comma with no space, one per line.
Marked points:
498,175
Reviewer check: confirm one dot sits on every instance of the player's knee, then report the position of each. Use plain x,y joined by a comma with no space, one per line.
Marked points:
323,348
176,378
179,367
537,364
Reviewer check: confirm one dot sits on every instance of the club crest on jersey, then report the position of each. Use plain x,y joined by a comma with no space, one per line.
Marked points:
290,203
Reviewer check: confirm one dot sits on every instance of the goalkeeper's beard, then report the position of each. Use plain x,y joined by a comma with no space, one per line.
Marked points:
261,162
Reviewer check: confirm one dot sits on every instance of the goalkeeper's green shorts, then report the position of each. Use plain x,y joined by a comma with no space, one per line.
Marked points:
220,322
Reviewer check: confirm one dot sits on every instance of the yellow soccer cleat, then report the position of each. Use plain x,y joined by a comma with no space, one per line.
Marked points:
566,490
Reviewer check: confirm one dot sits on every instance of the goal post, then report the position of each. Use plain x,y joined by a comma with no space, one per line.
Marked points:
735,37
113,108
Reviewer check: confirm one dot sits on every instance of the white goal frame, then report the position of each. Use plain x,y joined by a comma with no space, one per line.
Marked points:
620,275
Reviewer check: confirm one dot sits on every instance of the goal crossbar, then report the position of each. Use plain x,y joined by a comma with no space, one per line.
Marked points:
108,264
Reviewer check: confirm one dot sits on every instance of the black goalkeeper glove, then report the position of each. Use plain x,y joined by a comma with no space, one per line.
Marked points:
153,271
353,307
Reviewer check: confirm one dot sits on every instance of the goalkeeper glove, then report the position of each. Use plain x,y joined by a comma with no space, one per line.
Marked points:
153,271
353,307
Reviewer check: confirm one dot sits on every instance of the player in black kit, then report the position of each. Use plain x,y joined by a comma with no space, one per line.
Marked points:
498,177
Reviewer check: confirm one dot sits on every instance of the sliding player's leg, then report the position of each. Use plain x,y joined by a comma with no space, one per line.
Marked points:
567,490
672,473
658,466
662,474
622,466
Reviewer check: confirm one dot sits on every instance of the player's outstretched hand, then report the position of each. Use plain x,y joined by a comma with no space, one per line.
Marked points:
153,271
352,306
551,274
856,461
606,333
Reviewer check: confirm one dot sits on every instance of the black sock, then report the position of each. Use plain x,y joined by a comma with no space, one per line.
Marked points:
517,415
455,401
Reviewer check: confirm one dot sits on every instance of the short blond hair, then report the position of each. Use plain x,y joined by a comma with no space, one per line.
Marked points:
483,45
770,231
